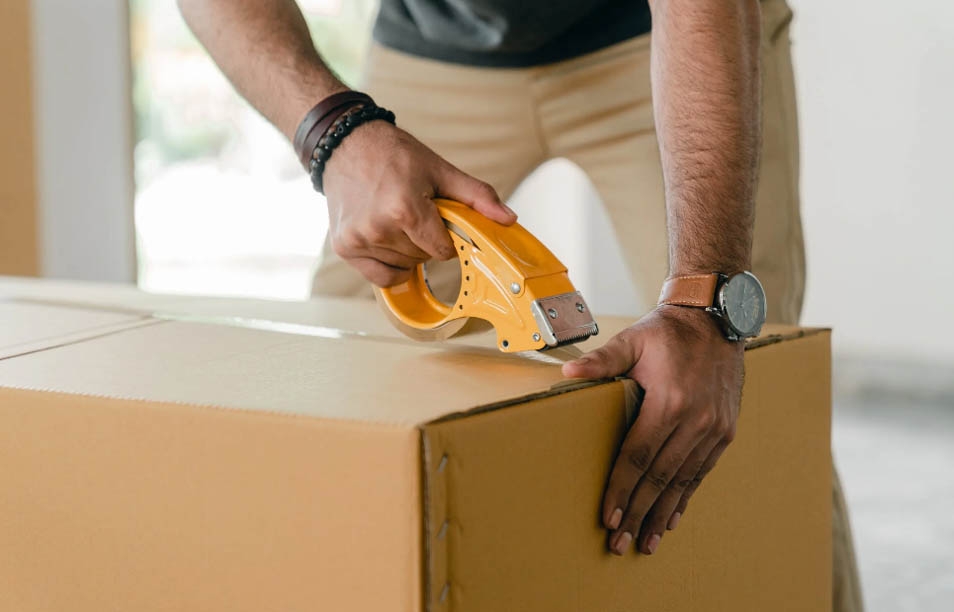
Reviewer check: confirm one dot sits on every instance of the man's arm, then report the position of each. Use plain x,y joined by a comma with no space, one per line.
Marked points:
705,77
381,181
265,49
705,73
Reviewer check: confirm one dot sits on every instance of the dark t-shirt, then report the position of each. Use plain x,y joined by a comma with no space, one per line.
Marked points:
507,33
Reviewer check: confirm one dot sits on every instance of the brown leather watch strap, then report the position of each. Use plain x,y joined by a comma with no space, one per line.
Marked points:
691,290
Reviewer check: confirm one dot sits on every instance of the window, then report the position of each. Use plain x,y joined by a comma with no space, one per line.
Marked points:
222,206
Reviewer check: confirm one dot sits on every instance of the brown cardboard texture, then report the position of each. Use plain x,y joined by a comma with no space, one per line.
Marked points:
183,465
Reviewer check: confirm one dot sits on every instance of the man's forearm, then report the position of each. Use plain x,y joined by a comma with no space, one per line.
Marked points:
265,49
705,73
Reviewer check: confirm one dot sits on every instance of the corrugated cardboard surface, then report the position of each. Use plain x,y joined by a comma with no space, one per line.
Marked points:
520,491
121,505
183,465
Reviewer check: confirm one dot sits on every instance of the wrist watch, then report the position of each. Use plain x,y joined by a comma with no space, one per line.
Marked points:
737,302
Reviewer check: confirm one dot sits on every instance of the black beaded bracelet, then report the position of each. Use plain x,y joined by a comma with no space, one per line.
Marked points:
338,131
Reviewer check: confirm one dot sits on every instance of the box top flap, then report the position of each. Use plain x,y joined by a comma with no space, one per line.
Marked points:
25,328
334,313
286,357
231,367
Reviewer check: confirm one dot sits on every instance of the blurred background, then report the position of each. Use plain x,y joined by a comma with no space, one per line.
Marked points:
150,169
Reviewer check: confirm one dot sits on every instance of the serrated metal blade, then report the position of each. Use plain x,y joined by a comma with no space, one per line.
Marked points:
563,319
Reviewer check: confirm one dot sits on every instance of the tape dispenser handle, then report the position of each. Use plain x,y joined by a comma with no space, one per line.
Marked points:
412,302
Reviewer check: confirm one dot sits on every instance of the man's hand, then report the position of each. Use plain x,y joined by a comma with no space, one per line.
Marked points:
692,377
380,184
705,83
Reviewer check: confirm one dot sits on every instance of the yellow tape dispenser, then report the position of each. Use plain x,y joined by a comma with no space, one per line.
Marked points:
507,278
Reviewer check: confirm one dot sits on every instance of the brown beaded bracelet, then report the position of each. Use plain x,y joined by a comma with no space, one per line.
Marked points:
338,132
333,129
329,123
316,121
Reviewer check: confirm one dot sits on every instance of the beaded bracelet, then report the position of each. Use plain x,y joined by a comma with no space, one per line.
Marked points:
339,130
317,119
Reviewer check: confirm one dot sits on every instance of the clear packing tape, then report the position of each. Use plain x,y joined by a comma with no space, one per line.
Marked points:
556,356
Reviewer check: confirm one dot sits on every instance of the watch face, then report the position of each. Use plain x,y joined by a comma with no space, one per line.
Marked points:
743,300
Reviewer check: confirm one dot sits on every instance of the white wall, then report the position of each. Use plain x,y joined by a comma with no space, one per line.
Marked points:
876,95
84,138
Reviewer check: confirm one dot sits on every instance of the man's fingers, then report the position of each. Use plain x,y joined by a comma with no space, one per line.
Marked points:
404,246
693,486
368,238
429,233
615,358
392,258
636,456
660,515
378,273
455,185
665,465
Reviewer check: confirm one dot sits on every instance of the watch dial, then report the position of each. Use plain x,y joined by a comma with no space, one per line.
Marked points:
744,302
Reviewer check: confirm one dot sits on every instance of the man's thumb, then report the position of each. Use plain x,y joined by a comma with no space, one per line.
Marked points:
616,358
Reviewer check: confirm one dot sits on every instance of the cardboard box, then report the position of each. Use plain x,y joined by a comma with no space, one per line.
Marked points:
167,464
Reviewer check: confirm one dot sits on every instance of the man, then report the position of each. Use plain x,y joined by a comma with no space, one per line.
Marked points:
491,88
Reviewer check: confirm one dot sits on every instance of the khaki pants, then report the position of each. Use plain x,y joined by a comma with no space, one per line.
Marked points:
596,110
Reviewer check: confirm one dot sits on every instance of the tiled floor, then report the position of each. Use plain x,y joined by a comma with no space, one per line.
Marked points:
896,459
